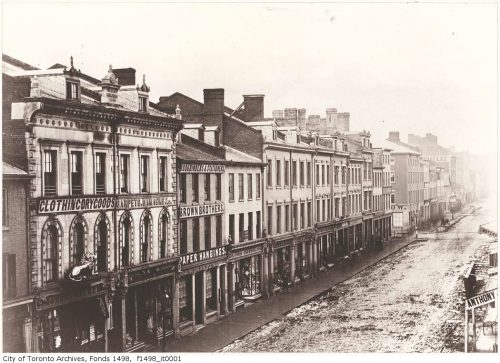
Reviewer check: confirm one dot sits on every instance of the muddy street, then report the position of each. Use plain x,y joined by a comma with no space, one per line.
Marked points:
409,302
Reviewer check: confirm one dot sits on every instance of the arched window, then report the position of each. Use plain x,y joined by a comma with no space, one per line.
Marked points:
163,234
102,243
79,243
126,242
146,238
51,255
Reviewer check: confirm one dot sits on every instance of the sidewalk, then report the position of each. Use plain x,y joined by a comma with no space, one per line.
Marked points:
217,335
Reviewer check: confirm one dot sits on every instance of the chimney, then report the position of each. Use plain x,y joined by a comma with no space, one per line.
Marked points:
393,136
254,107
213,100
109,88
126,76
432,139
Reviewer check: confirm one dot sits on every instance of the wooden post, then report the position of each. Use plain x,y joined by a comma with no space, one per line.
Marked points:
473,330
466,329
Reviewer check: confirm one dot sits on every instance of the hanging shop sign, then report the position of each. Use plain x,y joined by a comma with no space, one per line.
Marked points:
482,299
202,168
201,210
202,255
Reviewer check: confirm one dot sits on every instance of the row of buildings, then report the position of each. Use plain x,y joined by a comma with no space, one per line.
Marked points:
127,222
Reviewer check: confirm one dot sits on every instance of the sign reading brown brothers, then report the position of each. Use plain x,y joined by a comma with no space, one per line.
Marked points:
200,210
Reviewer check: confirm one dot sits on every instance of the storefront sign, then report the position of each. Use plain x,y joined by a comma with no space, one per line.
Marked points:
202,168
142,201
202,255
200,210
246,252
483,299
60,205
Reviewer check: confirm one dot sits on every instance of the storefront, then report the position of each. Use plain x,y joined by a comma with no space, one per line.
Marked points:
342,243
327,250
281,260
16,321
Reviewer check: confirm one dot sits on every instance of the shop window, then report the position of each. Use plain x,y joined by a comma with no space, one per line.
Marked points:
163,235
163,173
102,246
258,225
9,275
146,241
241,190
124,173
79,243
287,173
248,277
49,325
185,299
242,227
126,225
257,186
182,188
218,186
211,290
207,225
196,234
100,173
183,237
76,172
231,187
206,187
249,187
301,267
218,231
51,254
195,190
144,173
50,172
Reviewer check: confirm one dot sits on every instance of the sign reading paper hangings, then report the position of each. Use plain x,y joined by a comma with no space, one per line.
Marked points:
200,210
482,299
202,168
202,255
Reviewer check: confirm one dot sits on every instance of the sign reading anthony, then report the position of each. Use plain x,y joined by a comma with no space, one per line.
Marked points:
483,299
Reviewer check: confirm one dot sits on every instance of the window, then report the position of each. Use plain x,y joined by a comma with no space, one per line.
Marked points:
183,237
218,186
250,226
269,173
269,220
76,172
218,231
309,214
295,217
182,187
343,174
242,226
302,176
124,174
257,186
216,138
328,175
163,235
196,234
102,246
329,208
146,242
318,211
207,224
257,225
72,90
231,227
5,208
287,173
9,275
144,173
287,218
201,134
337,200
324,209
344,206
302,215
278,173
194,188
163,174
323,179
143,104
206,188
317,174
126,242
231,187
249,186
79,244
294,173
308,173
100,173
50,172
241,188
51,248
336,175
278,219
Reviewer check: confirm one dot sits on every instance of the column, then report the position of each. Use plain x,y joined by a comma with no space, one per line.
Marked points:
203,296
175,307
230,283
264,282
218,290
271,272
224,288
292,262
124,319
136,338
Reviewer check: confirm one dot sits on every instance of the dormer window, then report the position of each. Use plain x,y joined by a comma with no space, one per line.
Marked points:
201,134
72,90
143,104
216,138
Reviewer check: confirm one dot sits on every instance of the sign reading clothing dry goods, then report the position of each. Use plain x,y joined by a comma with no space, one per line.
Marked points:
200,210
202,168
64,205
202,255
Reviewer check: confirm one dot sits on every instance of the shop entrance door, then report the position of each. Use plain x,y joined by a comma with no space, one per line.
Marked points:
199,311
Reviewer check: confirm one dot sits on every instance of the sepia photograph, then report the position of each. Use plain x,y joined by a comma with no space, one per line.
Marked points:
238,177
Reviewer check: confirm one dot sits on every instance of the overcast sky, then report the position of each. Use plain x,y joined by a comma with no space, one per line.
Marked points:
415,68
